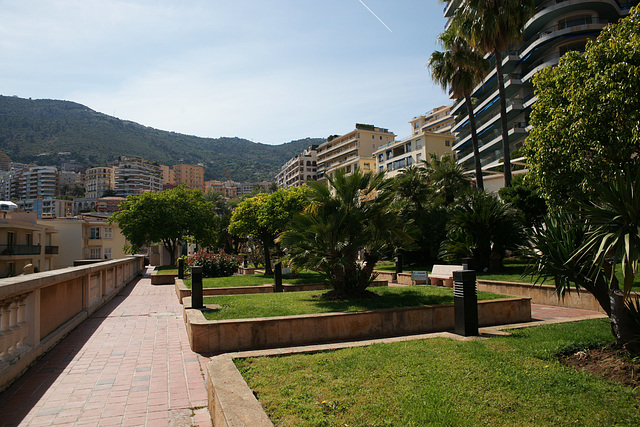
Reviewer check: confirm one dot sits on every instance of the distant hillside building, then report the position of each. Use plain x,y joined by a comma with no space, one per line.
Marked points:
429,135
47,208
134,176
190,175
352,151
300,169
98,180
108,205
37,182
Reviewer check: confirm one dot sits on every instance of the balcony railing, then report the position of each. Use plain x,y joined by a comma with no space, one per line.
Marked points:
51,250
20,249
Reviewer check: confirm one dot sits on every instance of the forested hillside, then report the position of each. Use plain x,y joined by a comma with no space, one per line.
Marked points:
49,132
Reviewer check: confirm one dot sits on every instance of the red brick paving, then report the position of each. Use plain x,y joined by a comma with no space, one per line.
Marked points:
127,365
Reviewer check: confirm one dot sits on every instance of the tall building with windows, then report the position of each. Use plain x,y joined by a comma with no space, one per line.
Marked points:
190,175
37,182
133,176
98,180
300,169
352,151
429,135
557,27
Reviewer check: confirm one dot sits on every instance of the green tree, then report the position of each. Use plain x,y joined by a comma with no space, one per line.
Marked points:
586,121
460,69
446,178
493,26
482,227
584,249
353,213
171,217
264,216
525,195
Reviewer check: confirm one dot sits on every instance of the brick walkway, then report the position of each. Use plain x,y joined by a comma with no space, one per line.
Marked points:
127,365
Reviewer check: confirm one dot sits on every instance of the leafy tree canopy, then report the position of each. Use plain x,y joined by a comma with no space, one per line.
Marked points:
171,217
264,216
586,121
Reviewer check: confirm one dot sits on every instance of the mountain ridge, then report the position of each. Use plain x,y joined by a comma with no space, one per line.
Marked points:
52,132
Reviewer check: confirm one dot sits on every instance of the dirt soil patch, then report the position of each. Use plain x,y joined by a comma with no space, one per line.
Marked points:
610,363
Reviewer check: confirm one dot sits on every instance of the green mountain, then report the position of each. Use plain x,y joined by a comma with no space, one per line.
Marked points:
50,132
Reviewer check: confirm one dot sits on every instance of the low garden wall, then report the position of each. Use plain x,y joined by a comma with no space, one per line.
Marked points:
162,279
221,336
541,294
400,278
38,310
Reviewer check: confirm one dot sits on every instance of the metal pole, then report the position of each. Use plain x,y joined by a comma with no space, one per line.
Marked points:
180,268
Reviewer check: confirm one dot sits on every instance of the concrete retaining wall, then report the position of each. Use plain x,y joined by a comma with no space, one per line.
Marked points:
273,332
541,294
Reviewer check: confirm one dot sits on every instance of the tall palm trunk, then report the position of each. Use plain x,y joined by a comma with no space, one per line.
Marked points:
474,142
503,119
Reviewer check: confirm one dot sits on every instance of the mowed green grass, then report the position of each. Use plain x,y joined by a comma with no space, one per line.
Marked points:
257,280
502,381
310,302
167,269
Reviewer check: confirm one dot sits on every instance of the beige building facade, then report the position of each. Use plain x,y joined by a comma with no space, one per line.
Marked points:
24,241
87,236
300,169
428,137
345,152
98,180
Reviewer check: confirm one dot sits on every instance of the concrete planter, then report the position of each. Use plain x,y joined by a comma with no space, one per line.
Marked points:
252,334
182,291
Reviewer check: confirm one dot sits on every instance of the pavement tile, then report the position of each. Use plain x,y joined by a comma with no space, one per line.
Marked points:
116,368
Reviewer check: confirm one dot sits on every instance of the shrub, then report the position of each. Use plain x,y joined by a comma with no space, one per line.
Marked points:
218,264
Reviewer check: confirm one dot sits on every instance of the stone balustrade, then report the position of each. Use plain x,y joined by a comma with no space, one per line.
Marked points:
38,310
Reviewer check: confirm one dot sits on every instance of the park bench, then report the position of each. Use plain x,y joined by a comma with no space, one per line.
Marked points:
443,274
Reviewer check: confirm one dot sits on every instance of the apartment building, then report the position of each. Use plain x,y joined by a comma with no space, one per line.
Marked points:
556,28
47,208
428,137
87,236
189,175
134,176
98,180
351,151
299,169
23,241
37,182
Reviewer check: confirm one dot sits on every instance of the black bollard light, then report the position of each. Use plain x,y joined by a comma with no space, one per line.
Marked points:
196,287
245,261
465,302
277,278
467,264
180,268
398,263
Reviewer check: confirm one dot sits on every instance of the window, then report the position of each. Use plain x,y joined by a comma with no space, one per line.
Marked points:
107,253
95,253
373,146
418,157
381,157
94,233
409,161
418,144
367,166
408,147
108,233
389,154
389,166
29,239
447,143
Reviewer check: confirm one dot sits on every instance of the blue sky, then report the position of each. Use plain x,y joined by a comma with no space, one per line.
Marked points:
269,71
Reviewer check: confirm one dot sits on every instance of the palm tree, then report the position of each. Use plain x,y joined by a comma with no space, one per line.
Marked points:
446,178
353,214
483,227
493,26
460,69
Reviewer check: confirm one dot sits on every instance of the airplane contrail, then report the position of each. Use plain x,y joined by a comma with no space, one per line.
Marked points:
381,21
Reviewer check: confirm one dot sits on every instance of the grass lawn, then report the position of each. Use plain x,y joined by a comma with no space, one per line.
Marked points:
167,269
502,381
256,280
296,303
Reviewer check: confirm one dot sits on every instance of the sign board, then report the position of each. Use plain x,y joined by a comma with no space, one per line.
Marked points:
419,276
